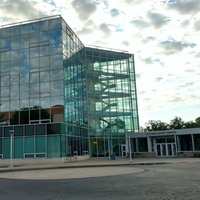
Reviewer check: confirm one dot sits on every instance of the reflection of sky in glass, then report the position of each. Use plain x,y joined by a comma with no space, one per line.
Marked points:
31,64
15,30
15,55
15,43
5,44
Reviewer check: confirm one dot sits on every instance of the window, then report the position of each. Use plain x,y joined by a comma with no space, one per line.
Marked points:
18,131
29,130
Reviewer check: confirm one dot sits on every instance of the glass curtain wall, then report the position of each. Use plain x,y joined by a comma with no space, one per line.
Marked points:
35,141
111,99
100,98
47,75
31,71
74,94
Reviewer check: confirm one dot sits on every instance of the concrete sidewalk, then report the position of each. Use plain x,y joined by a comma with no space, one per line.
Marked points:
98,162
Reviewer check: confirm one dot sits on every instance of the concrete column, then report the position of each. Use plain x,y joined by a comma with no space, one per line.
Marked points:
192,136
126,144
130,151
178,143
149,144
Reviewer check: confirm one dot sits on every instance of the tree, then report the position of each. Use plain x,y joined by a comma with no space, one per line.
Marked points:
156,125
190,124
197,120
177,123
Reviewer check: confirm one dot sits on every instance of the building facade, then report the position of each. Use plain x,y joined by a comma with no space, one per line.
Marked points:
166,143
48,78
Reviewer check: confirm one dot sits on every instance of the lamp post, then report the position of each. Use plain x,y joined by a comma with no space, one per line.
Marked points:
11,132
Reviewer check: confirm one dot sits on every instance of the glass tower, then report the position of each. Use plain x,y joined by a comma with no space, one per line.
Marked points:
48,76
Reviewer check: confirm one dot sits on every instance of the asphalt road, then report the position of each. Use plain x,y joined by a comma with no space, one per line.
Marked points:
158,182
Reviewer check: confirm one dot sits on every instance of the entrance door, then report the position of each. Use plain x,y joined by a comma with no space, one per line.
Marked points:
123,150
165,149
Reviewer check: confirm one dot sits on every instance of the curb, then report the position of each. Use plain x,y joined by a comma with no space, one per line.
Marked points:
14,169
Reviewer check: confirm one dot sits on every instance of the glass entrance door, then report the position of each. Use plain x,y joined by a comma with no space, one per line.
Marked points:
123,150
165,150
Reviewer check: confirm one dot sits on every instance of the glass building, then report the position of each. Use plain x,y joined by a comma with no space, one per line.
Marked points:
61,97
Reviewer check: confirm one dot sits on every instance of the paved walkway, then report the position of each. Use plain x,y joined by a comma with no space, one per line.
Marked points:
94,162
99,162
94,167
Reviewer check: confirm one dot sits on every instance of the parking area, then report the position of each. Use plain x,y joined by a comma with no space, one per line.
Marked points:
177,180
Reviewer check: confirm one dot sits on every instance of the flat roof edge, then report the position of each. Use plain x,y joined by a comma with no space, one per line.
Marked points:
31,21
106,48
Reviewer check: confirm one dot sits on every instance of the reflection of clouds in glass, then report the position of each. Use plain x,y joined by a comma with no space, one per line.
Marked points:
5,43
14,105
34,52
15,42
34,27
24,91
14,79
24,53
56,74
4,106
34,64
14,92
6,32
14,55
5,91
56,61
34,77
45,87
44,36
4,80
44,50
55,49
34,101
56,23
34,38
34,88
15,67
5,55
5,66
24,78
44,61
24,41
44,25
24,103
45,102
24,66
25,29
29,69
56,36
44,76
15,30
57,88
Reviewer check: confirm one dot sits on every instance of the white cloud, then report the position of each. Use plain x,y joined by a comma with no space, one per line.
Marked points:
163,35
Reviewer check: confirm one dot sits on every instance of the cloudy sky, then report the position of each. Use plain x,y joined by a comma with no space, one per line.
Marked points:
162,34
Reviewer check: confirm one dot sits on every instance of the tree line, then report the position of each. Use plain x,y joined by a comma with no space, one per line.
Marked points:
176,123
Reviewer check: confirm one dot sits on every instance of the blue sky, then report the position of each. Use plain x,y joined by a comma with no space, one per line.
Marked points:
162,34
